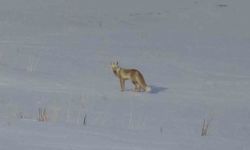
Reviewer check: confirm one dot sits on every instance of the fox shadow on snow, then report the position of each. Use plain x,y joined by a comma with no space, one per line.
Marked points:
154,89
157,89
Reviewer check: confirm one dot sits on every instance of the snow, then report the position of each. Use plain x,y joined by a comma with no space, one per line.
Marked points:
56,55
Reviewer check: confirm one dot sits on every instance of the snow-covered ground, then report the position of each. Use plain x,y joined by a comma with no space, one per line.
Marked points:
56,55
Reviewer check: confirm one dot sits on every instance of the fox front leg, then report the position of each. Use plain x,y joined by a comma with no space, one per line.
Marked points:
122,83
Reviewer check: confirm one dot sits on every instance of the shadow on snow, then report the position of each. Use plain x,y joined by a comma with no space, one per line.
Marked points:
157,89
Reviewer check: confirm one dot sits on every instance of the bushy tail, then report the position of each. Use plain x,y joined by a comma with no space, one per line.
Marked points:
148,89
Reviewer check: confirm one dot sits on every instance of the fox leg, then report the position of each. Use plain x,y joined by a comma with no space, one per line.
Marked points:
141,87
136,86
122,83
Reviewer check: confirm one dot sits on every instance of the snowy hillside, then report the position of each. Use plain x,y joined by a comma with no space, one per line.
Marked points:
56,55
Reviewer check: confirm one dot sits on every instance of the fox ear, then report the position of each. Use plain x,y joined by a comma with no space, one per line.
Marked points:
116,62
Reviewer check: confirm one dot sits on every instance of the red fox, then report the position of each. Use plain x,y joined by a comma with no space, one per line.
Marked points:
130,74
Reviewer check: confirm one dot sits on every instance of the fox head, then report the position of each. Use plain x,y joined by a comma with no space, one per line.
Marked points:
115,67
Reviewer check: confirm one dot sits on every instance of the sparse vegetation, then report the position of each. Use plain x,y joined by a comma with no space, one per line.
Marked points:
204,128
84,119
42,115
222,5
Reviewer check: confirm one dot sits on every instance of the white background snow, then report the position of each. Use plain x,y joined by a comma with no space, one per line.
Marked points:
56,54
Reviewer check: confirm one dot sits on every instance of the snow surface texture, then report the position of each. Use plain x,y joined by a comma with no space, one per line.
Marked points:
56,55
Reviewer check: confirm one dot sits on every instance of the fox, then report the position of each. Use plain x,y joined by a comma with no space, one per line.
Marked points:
130,74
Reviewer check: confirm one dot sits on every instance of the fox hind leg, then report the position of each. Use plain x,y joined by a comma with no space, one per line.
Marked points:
141,86
137,87
141,89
